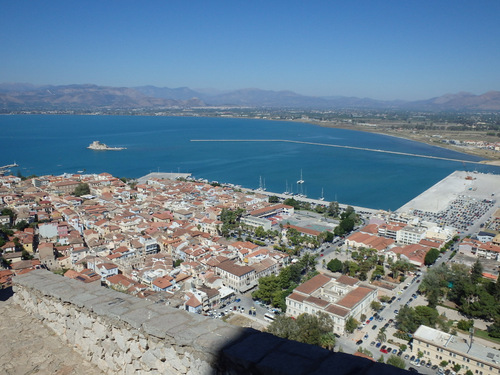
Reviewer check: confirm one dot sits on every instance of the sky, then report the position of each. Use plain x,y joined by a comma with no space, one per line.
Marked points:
401,49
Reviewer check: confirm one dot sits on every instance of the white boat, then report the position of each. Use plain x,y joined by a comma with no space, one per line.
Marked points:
262,185
301,181
322,198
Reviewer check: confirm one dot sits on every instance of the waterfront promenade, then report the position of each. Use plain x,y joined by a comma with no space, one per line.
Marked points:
362,210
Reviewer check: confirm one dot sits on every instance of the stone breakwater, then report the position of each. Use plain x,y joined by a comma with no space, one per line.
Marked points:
123,334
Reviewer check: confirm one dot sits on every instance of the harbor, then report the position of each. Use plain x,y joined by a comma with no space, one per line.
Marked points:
6,168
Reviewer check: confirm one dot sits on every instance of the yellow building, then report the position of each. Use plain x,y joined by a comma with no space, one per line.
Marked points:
439,346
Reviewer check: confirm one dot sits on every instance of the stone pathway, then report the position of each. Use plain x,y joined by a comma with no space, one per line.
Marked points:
28,347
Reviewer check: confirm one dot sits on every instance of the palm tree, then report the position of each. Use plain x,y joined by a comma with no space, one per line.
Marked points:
327,341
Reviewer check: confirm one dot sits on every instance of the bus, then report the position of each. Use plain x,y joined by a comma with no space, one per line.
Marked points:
269,317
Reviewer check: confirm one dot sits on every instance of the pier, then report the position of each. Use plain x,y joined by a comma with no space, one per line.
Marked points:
10,166
339,146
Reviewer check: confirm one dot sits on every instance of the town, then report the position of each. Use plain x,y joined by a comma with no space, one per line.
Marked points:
254,259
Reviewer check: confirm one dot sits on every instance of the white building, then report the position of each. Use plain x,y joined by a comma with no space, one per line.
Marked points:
340,298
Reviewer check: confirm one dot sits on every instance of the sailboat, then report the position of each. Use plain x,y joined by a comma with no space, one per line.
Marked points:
301,181
322,198
262,186
286,192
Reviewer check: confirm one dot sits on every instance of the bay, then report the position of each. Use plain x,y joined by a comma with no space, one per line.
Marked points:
55,144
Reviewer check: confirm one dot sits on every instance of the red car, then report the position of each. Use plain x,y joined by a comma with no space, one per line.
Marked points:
368,321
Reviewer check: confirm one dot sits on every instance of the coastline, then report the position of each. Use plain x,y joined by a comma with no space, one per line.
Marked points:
423,138
488,160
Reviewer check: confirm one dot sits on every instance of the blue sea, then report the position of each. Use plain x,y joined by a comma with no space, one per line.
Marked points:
55,144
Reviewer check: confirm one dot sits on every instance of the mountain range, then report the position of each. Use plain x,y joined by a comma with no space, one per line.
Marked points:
21,96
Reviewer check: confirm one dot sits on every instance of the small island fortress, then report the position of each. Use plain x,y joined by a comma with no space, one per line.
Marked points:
96,145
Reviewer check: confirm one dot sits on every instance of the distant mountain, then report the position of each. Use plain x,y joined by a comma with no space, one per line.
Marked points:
181,93
23,96
489,101
81,97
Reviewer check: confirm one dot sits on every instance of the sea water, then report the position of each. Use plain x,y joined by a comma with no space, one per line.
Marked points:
55,144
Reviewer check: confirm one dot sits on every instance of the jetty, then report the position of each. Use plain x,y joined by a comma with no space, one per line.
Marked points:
6,168
339,146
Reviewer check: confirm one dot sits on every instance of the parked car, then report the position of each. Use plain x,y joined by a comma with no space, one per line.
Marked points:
372,343
365,336
359,342
394,351
374,327
378,344
411,369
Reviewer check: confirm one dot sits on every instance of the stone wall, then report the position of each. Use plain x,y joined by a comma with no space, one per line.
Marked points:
126,335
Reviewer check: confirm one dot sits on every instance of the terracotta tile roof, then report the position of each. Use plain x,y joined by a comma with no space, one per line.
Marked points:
297,297
370,228
317,301
336,310
347,280
353,297
234,269
193,302
311,285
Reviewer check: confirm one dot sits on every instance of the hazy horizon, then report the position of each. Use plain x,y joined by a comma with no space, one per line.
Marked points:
385,50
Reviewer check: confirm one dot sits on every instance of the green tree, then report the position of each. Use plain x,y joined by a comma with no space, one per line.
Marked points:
292,202
465,325
328,236
335,265
351,324
396,362
307,328
431,256
178,262
260,232
273,199
380,359
333,209
26,255
476,272
378,272
456,367
82,189
382,336
443,363
327,340
376,305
